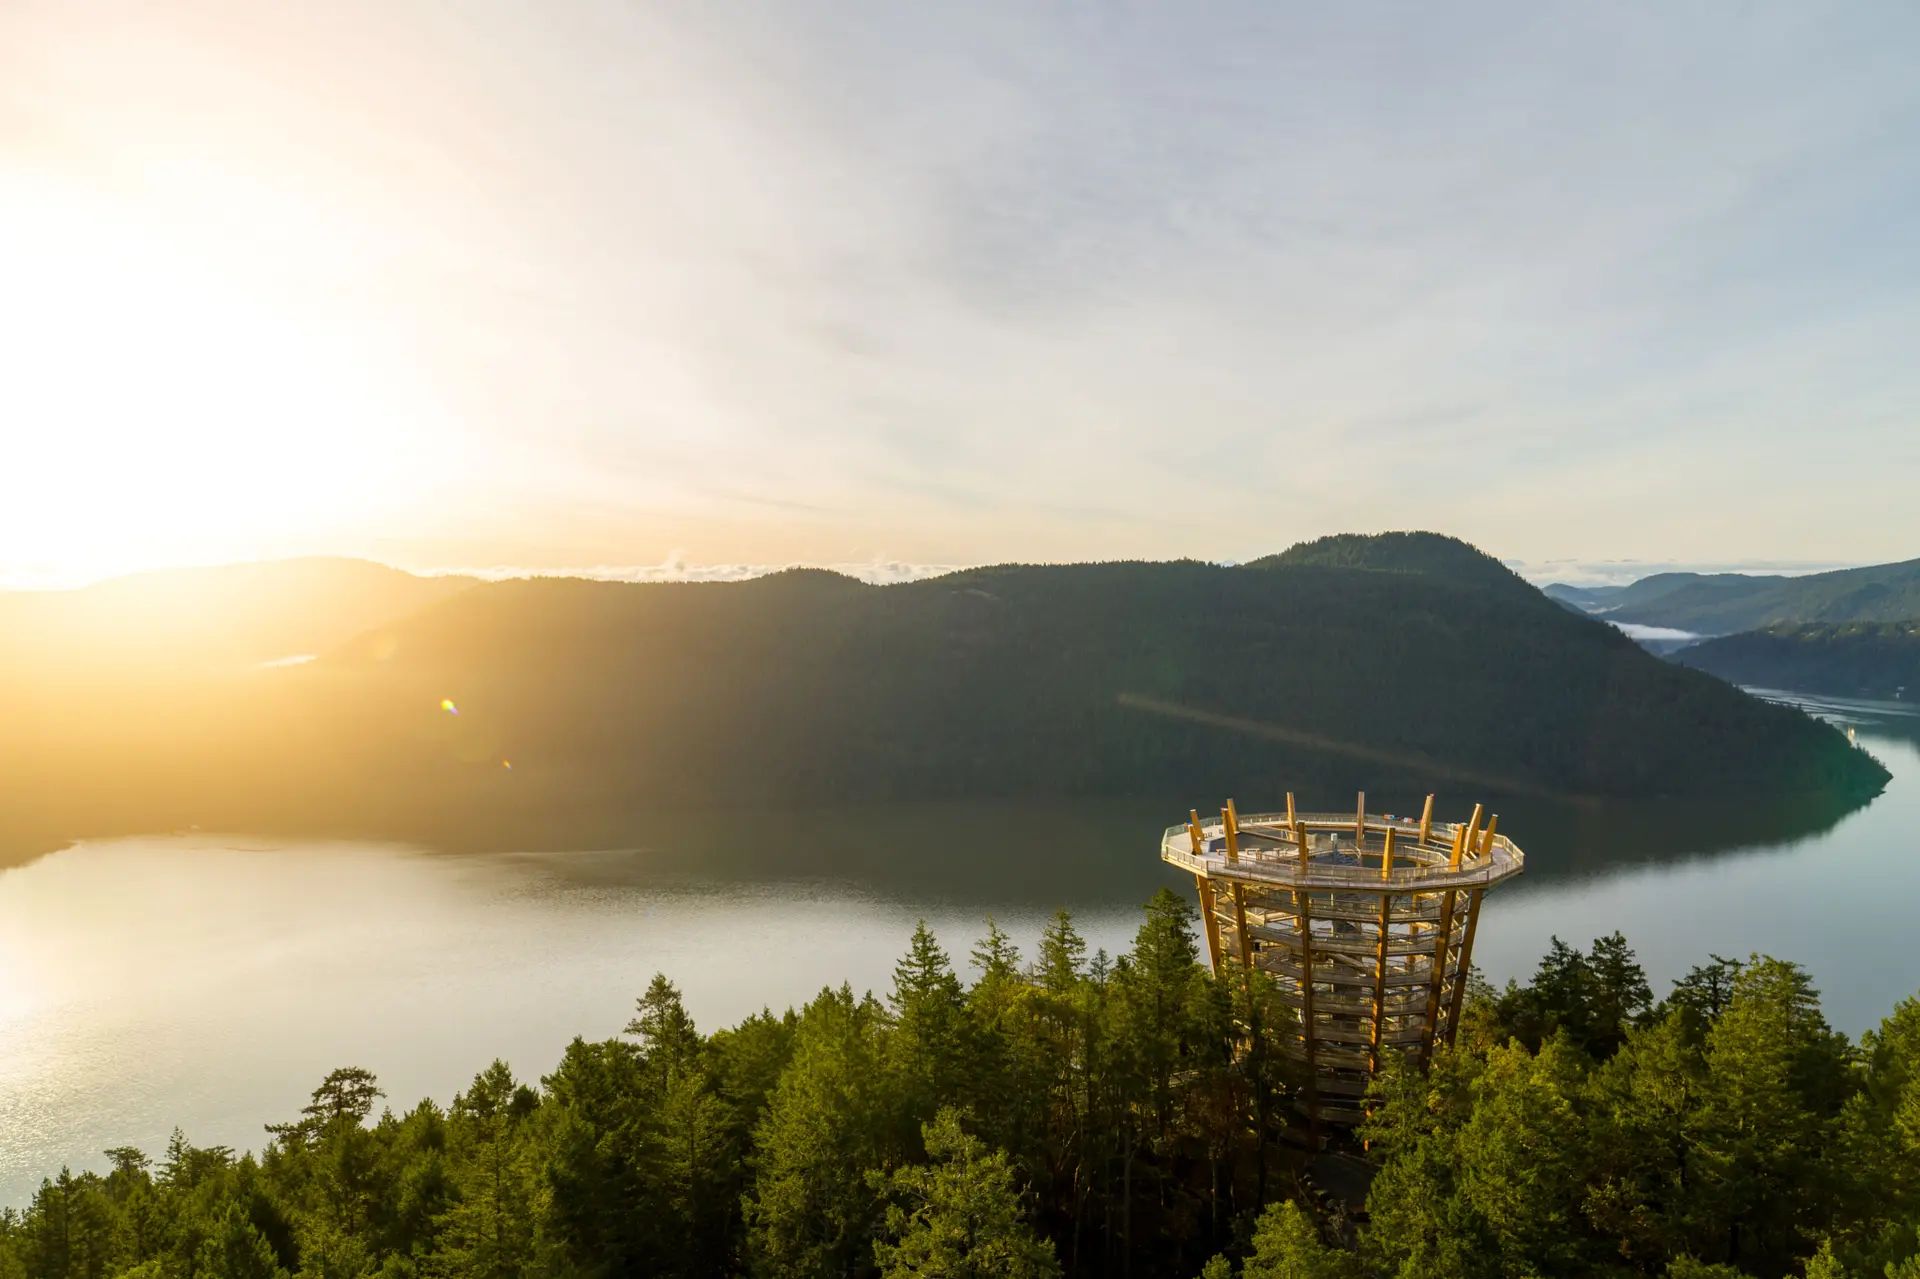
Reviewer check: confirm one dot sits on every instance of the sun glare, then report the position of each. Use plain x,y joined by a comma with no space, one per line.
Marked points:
160,406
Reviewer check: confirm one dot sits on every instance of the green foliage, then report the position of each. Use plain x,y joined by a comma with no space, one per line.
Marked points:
1707,988
237,1250
959,1215
1080,1117
1287,1245
1824,1265
1842,659
1426,554
1593,999
488,1231
1687,1268
827,1122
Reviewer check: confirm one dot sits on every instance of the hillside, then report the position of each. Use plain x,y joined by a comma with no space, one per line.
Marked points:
1185,681
1851,659
1722,603
1431,555
229,616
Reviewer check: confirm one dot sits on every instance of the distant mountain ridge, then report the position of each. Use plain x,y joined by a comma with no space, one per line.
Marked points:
530,713
226,616
1722,603
1877,660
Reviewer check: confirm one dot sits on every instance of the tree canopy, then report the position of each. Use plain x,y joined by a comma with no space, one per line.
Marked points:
1072,1115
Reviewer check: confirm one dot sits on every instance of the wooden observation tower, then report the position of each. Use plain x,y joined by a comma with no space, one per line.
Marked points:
1364,922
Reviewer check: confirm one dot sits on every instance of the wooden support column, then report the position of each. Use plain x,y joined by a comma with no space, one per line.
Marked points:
1230,827
1360,827
1207,912
1486,838
1426,820
1300,832
1240,925
1308,1031
1463,838
1386,857
1291,820
1438,976
1464,966
1380,976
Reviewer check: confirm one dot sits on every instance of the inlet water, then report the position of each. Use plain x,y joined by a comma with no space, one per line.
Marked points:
209,982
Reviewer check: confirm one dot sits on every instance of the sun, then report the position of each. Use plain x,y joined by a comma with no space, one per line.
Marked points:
165,402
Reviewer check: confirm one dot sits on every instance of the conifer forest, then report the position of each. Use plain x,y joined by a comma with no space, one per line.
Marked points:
1068,1113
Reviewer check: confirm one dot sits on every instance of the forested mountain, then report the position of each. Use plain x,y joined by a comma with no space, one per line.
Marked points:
1428,555
546,711
1847,659
1721,603
1078,1115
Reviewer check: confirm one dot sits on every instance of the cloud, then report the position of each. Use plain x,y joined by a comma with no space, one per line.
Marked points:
874,572
1003,281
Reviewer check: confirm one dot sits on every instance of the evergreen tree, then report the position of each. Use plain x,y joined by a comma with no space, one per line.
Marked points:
600,1218
667,1035
1646,1104
1287,1245
1776,1078
1707,988
1620,997
932,1052
237,1250
1063,953
1523,1158
810,1210
1124,1120
488,1233
958,1216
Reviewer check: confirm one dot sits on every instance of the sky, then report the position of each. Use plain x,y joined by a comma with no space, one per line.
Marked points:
672,288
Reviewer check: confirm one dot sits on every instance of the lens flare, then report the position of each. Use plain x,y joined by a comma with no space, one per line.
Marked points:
448,706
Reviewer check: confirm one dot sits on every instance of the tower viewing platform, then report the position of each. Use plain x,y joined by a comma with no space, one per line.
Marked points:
1364,922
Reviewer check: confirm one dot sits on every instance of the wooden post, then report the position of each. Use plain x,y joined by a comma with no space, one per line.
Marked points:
1463,840
1439,975
1307,1029
1291,821
1207,912
1426,820
1486,839
1240,925
1231,829
1300,830
1194,836
1386,857
1379,980
1360,827
1465,965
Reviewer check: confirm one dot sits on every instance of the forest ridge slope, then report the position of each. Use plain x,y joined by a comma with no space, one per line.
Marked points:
1721,603
582,702
1843,659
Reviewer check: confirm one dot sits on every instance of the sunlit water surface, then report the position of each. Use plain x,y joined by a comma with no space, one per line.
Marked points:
209,982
